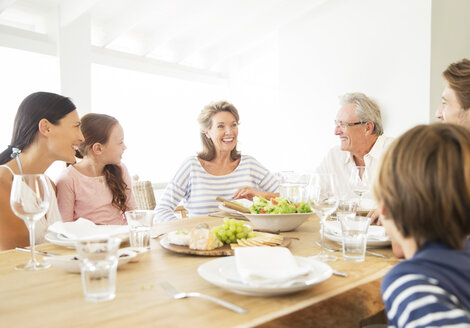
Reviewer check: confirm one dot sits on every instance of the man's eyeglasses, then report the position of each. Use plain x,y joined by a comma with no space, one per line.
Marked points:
343,125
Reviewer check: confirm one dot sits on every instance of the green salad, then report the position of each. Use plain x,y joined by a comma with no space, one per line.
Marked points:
278,205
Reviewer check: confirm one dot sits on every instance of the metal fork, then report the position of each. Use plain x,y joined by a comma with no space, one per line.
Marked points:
332,249
173,292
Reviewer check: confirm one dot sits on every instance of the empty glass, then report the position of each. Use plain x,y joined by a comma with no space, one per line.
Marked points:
359,181
323,201
29,200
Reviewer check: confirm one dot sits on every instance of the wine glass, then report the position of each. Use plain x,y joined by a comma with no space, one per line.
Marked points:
29,200
359,182
323,201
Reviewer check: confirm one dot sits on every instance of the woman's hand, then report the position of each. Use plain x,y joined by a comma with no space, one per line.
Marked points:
249,193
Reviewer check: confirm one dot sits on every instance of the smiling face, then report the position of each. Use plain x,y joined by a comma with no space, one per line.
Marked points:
223,131
352,138
65,137
113,149
450,110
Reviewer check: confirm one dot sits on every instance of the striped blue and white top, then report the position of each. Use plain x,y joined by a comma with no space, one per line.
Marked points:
431,289
198,189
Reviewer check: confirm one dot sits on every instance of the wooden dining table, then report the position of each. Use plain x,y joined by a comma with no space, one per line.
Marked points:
54,298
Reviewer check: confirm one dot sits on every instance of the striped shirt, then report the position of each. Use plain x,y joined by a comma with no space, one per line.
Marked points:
428,292
198,189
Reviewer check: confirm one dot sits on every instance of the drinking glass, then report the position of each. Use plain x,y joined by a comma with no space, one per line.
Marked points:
359,182
293,185
354,236
29,200
98,267
323,201
140,224
346,209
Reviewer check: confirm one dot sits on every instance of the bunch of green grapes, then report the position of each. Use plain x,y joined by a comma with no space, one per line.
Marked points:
232,230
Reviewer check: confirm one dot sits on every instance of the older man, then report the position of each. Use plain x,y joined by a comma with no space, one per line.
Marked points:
455,105
359,127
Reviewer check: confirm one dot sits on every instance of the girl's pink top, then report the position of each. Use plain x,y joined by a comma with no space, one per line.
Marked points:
81,196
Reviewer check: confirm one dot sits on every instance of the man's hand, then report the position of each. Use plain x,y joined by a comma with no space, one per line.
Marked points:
374,216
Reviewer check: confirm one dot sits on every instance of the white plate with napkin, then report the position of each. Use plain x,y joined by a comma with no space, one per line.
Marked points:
71,262
67,233
264,271
376,235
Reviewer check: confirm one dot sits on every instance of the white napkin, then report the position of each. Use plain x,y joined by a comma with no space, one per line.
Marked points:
84,228
268,265
374,233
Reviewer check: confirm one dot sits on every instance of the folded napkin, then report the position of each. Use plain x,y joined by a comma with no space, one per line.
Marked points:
268,265
83,229
374,232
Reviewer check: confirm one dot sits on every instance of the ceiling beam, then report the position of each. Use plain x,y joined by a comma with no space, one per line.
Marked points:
4,4
256,32
70,10
118,59
11,37
134,15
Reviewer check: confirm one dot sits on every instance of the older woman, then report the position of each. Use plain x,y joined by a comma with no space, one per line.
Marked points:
423,188
46,129
219,170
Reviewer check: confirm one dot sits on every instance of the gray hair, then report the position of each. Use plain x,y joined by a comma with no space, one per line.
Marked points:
366,109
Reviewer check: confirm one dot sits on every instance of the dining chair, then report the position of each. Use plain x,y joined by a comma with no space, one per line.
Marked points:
144,196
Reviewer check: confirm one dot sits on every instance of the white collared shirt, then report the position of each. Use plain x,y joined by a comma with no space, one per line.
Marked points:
340,163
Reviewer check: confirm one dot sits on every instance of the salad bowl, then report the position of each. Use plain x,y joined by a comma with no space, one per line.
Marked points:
277,222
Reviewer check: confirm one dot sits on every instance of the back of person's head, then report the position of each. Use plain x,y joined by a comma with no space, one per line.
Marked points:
366,109
35,107
96,128
457,76
205,124
424,184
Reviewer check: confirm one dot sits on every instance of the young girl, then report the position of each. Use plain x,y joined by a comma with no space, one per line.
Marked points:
46,129
98,187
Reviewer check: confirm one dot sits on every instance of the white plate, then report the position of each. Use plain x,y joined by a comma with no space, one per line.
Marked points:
71,263
61,240
222,272
372,240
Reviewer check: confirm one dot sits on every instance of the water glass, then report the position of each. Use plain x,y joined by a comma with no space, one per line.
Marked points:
354,232
293,185
346,209
140,224
99,262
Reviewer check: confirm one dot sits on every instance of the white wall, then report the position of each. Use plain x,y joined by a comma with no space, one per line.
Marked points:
379,47
450,41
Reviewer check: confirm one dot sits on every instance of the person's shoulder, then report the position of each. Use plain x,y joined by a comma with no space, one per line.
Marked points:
66,174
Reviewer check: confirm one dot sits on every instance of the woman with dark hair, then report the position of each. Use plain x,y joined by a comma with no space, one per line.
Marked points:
98,187
218,170
46,129
423,188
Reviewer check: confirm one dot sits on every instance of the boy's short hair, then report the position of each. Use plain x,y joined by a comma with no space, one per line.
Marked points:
424,183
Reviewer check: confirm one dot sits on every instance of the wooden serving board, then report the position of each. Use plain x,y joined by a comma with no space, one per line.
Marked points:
225,250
